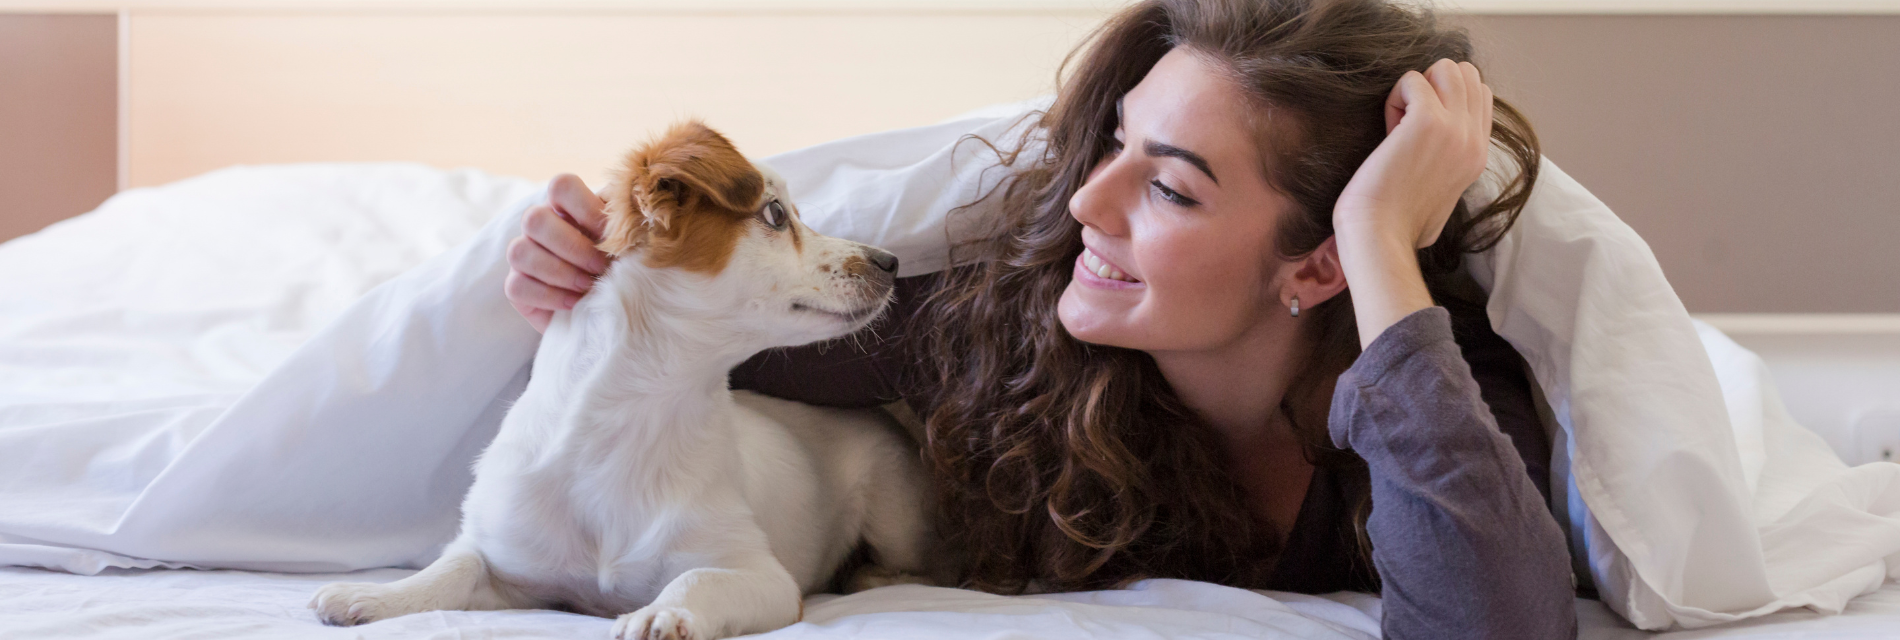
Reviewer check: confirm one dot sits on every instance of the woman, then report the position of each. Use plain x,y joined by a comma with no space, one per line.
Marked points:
1154,370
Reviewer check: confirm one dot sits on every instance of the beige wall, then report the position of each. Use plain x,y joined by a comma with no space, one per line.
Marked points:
1758,155
535,95
58,120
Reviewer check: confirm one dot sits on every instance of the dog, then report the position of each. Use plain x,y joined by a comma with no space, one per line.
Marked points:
629,480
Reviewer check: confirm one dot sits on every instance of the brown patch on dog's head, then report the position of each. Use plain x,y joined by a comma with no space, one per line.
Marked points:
683,200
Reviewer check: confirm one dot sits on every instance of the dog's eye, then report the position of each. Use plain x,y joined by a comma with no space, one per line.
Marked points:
773,215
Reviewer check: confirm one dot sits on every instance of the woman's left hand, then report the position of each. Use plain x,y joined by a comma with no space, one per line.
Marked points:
1438,139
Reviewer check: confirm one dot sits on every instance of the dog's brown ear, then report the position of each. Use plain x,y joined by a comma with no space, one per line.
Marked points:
689,170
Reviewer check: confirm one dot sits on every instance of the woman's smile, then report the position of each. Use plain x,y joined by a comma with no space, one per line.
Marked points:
1093,271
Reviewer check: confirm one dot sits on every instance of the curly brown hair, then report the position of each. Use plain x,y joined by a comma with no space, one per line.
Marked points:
1075,466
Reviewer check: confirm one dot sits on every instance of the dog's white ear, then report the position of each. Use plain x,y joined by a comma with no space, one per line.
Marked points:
689,170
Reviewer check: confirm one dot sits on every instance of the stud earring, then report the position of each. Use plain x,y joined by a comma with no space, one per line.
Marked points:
1296,306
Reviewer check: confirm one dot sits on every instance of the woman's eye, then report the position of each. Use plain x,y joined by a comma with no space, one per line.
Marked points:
773,215
1172,196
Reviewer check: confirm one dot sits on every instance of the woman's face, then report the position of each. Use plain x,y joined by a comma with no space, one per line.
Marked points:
1178,221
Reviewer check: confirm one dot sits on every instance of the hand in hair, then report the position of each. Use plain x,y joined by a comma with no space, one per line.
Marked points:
1438,138
555,261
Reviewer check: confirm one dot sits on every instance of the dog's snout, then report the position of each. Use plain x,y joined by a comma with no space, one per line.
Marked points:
883,259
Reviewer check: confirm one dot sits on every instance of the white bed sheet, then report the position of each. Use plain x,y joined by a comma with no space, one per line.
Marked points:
239,605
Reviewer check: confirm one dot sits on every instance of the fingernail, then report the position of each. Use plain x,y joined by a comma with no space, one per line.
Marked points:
569,303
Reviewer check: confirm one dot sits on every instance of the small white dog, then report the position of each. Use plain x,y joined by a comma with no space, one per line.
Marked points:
629,478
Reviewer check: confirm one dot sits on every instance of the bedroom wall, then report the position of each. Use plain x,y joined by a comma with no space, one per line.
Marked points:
1753,152
58,117
1758,155
539,94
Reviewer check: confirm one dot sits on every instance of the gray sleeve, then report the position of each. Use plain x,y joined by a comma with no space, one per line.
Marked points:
1462,542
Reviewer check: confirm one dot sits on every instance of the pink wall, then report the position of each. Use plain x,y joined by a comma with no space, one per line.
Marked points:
1758,155
58,117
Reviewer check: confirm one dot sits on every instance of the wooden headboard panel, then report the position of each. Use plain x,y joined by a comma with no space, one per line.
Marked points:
1750,141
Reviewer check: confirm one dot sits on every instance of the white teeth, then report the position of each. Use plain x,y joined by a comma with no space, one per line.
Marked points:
1102,268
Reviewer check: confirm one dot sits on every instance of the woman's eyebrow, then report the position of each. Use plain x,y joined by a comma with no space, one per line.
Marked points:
1165,150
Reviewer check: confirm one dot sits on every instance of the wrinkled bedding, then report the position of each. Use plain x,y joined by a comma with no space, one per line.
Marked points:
324,348
125,604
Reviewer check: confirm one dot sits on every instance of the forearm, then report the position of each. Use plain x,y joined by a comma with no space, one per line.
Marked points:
1461,538
861,370
1382,270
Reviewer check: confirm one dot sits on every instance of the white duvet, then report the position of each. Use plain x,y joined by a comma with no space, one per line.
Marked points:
263,368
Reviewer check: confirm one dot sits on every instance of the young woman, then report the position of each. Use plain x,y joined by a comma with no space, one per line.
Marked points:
1155,370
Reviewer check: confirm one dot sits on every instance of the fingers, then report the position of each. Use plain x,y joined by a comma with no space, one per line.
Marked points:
1448,81
1475,102
1411,89
570,197
529,295
547,228
537,318
555,260
527,257
1467,100
1486,103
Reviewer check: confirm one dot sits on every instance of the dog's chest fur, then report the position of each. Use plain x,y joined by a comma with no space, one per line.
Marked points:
624,464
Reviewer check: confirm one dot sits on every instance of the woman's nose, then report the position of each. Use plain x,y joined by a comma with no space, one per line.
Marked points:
1102,202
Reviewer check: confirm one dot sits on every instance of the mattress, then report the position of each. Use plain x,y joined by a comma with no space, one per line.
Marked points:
238,605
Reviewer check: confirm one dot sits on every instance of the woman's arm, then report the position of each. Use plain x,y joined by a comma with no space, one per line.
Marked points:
865,369
1461,539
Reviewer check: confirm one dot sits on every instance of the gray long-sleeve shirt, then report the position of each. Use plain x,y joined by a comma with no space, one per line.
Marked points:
1439,410
1462,541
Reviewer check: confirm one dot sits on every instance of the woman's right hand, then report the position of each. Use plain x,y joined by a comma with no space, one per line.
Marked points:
555,261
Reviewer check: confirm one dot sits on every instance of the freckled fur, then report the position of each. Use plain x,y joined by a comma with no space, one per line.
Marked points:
629,480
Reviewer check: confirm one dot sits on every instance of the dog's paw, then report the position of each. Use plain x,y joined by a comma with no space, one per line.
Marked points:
655,622
347,604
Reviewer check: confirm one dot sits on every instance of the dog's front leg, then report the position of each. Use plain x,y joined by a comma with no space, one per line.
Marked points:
708,604
459,580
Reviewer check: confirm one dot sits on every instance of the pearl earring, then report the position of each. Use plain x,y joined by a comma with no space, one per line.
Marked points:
1296,306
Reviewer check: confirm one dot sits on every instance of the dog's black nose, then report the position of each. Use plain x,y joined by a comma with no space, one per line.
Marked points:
883,259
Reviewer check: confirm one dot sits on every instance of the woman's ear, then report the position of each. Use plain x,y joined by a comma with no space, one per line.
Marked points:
1316,278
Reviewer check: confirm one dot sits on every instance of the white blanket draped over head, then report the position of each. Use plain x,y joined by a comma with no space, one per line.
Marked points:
259,369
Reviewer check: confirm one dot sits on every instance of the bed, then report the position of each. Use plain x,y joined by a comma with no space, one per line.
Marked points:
165,302
191,309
